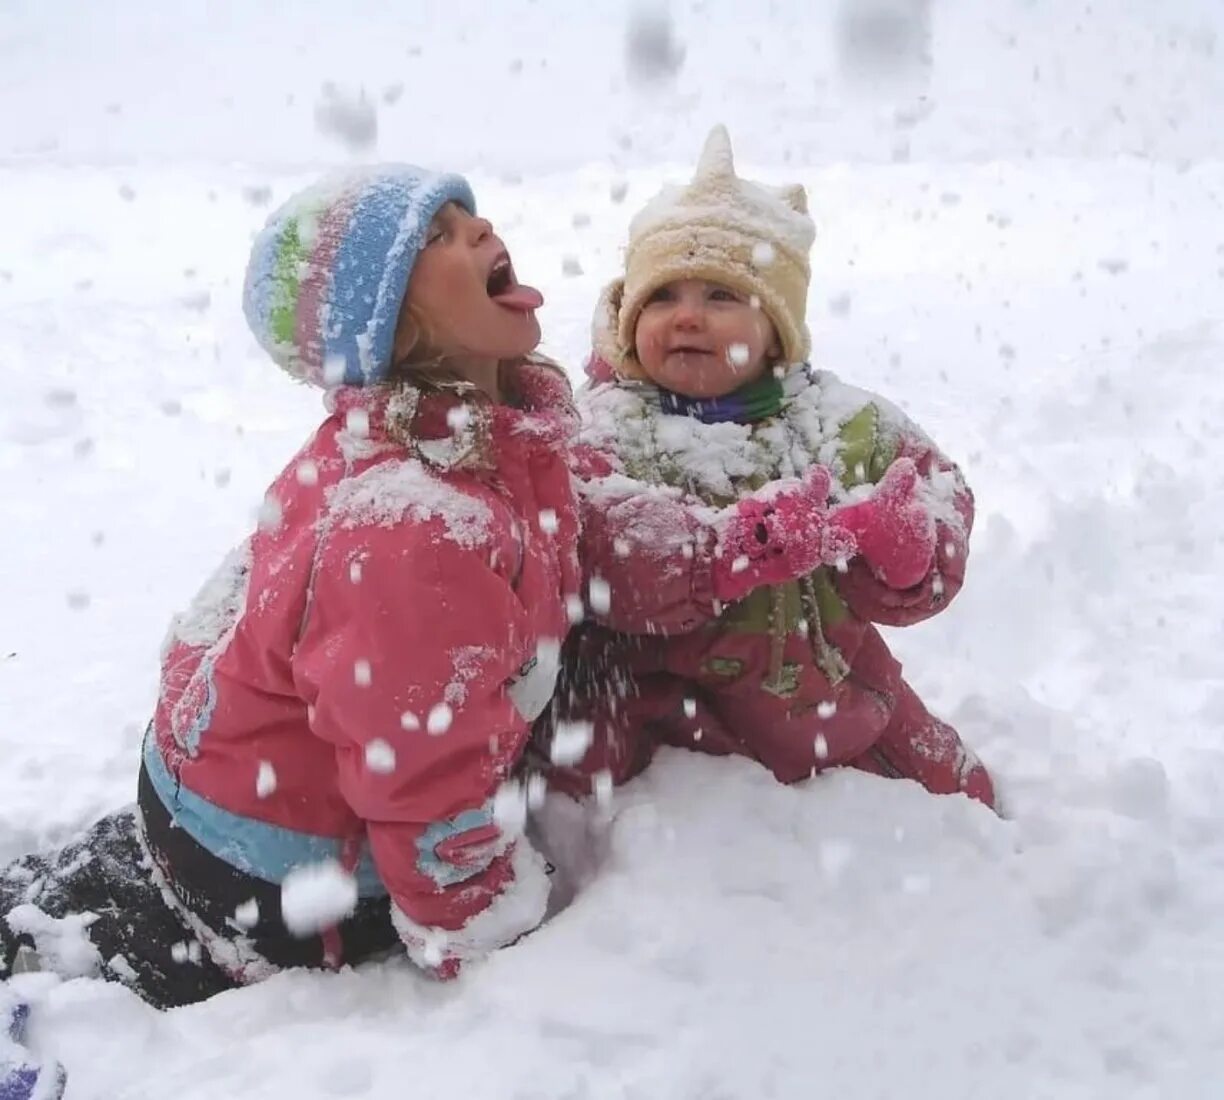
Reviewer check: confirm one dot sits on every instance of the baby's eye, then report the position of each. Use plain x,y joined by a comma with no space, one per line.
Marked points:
660,294
722,294
435,234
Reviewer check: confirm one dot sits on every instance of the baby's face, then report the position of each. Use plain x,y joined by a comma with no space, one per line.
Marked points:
703,340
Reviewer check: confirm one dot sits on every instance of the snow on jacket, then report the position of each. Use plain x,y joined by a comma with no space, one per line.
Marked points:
651,487
359,678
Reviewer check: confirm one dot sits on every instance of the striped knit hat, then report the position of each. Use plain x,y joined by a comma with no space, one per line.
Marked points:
328,272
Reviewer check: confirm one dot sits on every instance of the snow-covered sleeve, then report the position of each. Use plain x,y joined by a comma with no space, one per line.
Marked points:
404,658
943,490
646,551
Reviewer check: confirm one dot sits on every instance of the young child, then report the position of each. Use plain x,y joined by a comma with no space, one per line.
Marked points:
748,521
342,703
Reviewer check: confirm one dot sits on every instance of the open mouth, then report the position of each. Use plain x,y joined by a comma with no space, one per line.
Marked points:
503,287
501,276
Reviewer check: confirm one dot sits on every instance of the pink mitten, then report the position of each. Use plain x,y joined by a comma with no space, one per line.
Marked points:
894,530
778,535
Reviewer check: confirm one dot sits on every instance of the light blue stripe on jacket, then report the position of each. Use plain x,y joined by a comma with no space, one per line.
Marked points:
254,847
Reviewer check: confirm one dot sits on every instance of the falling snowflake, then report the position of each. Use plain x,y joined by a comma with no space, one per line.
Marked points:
537,791
603,788
317,896
600,594
439,720
835,856
652,53
246,915
347,116
510,808
265,780
335,367
380,757
270,514
570,742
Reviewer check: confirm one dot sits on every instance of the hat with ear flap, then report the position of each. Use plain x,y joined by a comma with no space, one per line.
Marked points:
751,237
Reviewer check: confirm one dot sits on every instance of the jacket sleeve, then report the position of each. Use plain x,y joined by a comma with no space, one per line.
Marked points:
945,493
404,658
646,551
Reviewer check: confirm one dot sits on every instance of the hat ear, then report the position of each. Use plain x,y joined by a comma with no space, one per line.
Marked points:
795,196
612,297
606,321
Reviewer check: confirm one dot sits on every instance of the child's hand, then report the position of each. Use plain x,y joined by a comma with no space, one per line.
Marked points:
894,530
778,535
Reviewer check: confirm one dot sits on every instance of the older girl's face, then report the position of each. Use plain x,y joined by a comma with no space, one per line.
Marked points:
464,293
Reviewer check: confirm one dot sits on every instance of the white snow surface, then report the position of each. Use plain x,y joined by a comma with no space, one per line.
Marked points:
1027,255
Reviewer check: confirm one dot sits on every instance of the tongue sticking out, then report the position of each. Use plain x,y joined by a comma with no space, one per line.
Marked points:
519,297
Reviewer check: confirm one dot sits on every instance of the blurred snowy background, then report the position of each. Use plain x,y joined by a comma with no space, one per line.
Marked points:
1021,239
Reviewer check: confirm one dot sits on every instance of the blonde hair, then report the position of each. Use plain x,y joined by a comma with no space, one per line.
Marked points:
417,363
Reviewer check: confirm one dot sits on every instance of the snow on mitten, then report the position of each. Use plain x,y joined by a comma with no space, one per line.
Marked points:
894,530
22,1077
777,535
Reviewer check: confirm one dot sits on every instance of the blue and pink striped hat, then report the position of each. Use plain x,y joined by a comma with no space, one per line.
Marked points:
328,272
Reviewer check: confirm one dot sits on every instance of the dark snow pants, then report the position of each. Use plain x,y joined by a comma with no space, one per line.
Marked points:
144,941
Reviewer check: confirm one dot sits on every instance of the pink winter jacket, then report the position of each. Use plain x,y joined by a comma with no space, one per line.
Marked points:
360,677
762,670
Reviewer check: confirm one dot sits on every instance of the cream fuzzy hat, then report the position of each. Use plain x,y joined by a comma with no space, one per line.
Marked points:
744,235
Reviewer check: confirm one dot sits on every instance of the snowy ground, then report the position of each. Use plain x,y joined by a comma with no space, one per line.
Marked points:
1055,322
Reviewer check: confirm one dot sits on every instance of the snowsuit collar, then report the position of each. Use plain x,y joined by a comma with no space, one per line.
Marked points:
452,425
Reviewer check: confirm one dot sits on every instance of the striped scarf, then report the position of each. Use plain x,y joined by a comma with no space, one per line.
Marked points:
757,400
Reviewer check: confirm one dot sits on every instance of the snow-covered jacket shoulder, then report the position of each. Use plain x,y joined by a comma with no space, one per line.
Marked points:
360,677
651,484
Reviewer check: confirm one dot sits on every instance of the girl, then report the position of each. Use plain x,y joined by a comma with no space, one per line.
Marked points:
748,521
346,696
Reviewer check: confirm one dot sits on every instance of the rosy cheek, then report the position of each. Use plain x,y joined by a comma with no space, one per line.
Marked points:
649,343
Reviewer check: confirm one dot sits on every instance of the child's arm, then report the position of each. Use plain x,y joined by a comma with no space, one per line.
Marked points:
912,534
660,562
645,558
404,657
